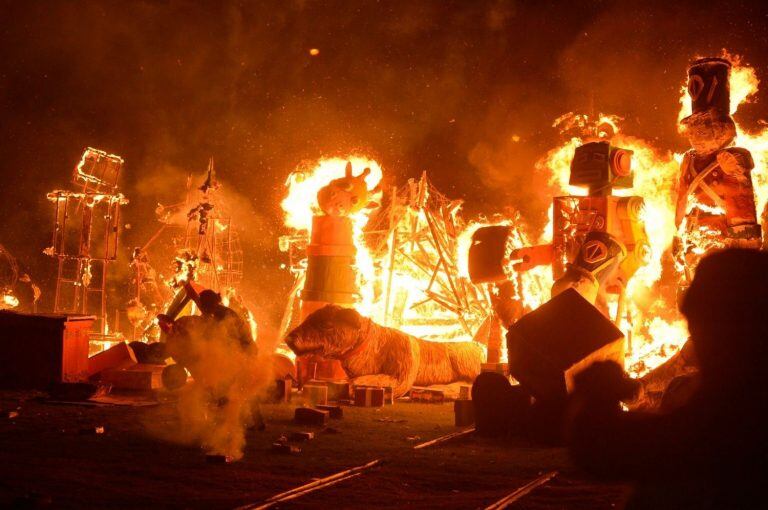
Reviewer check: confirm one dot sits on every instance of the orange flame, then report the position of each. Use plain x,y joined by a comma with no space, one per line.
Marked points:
300,205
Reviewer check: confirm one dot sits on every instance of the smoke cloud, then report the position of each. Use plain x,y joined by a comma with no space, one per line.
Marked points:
216,409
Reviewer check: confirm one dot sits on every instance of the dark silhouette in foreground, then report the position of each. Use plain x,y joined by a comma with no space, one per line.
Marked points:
711,451
212,308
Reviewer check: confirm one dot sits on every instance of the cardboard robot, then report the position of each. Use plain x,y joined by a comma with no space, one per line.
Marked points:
598,242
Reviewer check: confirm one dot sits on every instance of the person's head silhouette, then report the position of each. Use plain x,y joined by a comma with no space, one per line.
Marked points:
209,301
727,311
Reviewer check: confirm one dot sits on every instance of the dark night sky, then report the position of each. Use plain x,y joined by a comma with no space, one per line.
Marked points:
440,86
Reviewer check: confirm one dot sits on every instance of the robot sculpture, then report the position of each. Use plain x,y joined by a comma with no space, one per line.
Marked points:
598,241
715,198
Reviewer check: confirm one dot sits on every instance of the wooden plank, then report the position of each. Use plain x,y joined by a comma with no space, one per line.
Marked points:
312,486
443,439
521,492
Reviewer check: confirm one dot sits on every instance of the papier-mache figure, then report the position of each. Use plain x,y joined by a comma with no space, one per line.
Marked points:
346,195
715,198
598,241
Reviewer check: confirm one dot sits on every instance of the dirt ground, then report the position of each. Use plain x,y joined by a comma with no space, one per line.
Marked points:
48,461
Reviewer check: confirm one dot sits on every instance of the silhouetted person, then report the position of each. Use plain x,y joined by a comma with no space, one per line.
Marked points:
211,307
500,408
711,452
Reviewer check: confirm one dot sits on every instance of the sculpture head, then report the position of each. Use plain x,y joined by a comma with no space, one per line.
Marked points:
331,332
710,126
346,195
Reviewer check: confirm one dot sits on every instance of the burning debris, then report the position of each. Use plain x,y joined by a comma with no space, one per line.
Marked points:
17,290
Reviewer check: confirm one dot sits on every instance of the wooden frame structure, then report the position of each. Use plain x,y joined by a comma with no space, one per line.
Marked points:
86,235
415,238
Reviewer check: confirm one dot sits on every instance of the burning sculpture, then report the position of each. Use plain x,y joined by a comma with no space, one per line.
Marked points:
715,196
403,261
330,276
599,241
379,356
85,235
652,330
206,251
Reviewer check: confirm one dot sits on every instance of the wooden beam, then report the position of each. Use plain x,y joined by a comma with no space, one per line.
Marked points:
443,439
318,484
520,492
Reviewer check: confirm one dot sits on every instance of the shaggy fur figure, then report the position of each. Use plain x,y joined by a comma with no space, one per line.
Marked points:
376,355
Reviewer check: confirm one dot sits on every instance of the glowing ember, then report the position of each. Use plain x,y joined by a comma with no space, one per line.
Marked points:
8,301
185,266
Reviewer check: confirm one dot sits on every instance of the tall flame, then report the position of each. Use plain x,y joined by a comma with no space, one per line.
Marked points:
300,205
301,202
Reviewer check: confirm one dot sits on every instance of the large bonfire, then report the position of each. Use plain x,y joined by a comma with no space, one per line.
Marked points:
411,254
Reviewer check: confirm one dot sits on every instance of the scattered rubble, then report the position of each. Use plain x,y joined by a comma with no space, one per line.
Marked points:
309,416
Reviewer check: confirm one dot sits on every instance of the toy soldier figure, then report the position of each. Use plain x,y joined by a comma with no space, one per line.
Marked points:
715,199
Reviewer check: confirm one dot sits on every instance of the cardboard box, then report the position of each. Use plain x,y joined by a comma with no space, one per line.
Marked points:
308,416
369,396
550,345
338,390
315,394
141,377
464,412
301,436
281,392
427,395
334,412
40,349
389,396
117,356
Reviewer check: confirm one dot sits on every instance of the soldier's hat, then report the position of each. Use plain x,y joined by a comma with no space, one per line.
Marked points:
709,87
